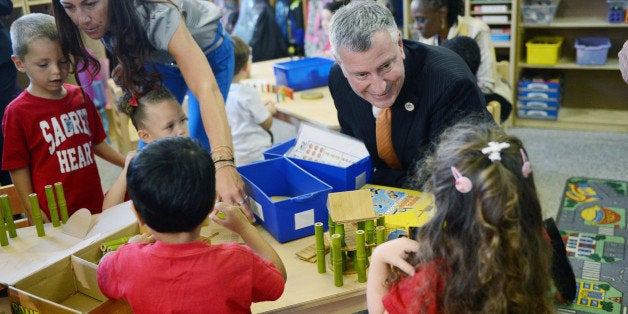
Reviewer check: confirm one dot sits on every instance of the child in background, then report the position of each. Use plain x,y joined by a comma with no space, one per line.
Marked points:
328,12
154,115
250,119
52,129
172,185
467,48
484,250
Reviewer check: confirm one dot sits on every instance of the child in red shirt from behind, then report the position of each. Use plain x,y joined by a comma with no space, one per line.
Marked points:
172,185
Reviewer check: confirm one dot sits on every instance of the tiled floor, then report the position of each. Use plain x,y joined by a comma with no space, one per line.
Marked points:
555,156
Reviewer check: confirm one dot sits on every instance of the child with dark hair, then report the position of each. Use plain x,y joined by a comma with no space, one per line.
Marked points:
485,249
172,185
469,50
249,117
155,115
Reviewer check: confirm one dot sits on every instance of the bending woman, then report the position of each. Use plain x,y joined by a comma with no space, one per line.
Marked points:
172,41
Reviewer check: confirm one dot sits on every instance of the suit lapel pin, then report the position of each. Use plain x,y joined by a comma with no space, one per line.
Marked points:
409,106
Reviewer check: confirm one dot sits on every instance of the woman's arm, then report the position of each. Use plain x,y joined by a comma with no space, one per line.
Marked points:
200,79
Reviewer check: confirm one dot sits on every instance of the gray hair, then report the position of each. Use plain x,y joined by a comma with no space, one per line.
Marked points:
354,25
30,27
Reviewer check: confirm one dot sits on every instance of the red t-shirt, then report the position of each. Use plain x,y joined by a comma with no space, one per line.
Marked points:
189,278
417,294
54,138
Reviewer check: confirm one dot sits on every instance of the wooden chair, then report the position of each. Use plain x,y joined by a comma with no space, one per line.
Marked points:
121,131
495,108
16,204
503,68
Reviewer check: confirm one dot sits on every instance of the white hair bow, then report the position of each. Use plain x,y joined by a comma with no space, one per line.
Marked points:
494,149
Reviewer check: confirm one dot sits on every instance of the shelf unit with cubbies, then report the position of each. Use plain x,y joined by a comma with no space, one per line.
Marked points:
504,50
498,14
594,96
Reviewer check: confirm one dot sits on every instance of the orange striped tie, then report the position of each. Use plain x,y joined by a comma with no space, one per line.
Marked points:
383,135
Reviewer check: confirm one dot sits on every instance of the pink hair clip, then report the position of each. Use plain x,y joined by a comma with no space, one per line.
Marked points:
463,184
526,169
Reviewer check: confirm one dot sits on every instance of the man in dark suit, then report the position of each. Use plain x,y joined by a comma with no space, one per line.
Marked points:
8,76
426,89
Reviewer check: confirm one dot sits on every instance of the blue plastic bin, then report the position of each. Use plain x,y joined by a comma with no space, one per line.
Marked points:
278,150
304,73
293,217
592,50
340,179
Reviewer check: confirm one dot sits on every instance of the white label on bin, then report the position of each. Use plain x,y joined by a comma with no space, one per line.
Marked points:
256,208
304,219
360,180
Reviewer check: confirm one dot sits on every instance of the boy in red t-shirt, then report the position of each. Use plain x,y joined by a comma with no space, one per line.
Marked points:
173,188
52,130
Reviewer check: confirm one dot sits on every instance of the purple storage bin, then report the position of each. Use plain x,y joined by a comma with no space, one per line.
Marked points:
592,50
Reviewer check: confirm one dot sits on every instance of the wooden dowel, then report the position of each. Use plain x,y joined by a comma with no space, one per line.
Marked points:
320,247
336,240
8,215
360,253
63,206
52,206
380,234
36,213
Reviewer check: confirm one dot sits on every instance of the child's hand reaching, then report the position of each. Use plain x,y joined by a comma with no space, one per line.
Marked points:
270,106
144,237
395,252
230,217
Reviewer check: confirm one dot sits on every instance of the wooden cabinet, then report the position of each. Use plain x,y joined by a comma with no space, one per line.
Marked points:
594,98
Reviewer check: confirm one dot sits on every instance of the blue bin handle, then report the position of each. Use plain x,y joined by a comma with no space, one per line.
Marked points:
305,197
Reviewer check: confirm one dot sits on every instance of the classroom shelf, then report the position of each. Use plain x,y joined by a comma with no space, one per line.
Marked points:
593,97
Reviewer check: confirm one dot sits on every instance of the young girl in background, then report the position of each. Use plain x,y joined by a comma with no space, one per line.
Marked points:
155,115
484,250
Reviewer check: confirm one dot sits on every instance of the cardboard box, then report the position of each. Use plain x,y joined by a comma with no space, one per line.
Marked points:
340,179
92,252
285,199
67,286
306,73
28,253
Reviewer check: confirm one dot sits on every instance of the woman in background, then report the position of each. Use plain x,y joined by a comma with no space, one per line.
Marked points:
440,20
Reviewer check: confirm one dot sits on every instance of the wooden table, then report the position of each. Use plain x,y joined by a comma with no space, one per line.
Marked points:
306,289
319,112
